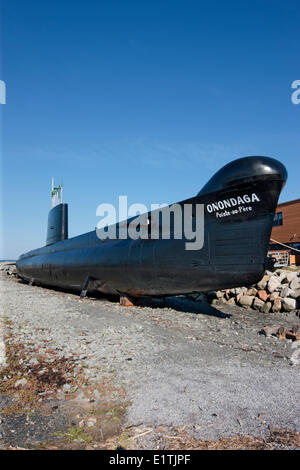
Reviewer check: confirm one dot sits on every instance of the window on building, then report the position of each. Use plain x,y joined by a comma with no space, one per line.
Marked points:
278,219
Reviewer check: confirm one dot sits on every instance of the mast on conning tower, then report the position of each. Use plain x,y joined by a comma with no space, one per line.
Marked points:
56,194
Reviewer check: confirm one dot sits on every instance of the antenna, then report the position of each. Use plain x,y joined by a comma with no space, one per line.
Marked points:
56,194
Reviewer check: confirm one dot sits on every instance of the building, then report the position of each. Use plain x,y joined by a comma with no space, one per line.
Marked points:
286,233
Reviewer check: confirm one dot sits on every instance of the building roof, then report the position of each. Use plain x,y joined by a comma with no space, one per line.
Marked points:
287,203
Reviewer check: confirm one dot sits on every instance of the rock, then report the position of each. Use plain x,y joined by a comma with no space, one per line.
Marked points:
237,290
21,382
220,294
295,284
91,422
288,304
263,295
294,294
246,301
258,304
267,307
285,291
273,284
269,273
227,294
291,275
263,282
231,301
252,291
276,307
274,296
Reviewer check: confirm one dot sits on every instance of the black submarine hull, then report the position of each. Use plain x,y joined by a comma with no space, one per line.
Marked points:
239,203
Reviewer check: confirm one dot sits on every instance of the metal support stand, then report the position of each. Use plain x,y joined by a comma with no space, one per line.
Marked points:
85,287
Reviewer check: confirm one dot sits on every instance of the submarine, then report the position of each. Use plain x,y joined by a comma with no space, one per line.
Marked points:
238,206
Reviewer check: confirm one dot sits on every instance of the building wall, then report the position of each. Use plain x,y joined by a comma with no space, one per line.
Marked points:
291,223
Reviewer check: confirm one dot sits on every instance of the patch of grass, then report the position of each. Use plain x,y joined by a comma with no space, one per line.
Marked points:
125,440
74,433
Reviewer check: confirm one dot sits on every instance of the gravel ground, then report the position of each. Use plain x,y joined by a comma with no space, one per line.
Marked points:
182,363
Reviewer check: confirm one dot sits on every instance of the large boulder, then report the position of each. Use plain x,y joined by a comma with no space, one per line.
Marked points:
291,275
277,305
258,304
281,274
246,301
285,291
288,304
267,307
269,273
263,295
274,296
252,291
273,284
238,290
295,284
263,282
294,294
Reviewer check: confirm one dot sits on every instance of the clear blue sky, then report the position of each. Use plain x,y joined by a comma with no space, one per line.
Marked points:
140,98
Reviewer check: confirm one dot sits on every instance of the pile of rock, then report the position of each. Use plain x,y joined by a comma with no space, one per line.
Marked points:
276,292
9,268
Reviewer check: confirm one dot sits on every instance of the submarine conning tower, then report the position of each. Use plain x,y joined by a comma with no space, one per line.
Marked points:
57,218
243,171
